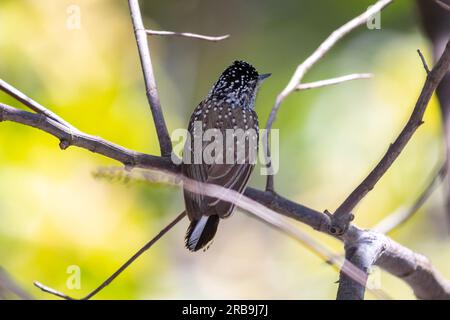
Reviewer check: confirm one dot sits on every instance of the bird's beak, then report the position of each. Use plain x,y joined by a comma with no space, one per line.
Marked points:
263,76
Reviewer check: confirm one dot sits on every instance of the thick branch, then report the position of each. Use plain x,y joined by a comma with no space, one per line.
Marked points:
366,248
343,216
68,138
165,143
363,253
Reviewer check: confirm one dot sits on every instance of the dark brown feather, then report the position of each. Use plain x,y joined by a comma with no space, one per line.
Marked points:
233,176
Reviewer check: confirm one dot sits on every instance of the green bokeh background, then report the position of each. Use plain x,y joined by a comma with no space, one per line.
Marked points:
54,214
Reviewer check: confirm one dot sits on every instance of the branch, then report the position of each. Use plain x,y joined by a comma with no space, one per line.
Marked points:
424,62
165,143
186,35
33,105
333,81
317,220
301,70
141,251
366,248
398,260
362,253
79,139
401,216
342,215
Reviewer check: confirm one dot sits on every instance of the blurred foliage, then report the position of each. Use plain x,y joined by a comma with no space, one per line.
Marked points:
54,214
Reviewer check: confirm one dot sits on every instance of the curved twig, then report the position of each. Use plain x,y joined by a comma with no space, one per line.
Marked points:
186,35
301,70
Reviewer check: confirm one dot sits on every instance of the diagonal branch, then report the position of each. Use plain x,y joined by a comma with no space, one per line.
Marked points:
33,105
332,81
140,252
342,215
304,67
151,91
68,138
186,35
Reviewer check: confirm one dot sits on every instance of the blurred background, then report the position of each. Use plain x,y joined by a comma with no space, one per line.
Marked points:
54,214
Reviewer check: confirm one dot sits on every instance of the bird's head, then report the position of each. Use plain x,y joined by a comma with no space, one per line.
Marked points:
238,84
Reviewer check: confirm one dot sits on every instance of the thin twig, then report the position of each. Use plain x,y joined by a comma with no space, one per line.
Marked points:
187,35
401,216
33,105
333,81
52,291
301,70
424,62
151,90
147,246
342,215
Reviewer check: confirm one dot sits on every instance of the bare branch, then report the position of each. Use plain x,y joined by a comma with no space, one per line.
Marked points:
33,105
165,143
95,144
333,81
320,52
187,35
363,254
399,217
301,70
365,248
141,251
342,215
277,203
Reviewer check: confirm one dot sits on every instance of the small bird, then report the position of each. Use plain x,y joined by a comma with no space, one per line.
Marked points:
228,107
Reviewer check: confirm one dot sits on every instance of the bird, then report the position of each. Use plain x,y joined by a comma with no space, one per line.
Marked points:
227,109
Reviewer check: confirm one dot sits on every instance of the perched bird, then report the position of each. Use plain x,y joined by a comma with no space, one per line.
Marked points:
228,109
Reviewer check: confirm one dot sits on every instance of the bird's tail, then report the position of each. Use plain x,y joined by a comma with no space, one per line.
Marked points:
201,232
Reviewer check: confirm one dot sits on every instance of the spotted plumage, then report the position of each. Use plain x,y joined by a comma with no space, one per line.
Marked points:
228,110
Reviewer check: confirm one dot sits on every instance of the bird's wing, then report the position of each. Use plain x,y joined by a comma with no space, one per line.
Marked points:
229,175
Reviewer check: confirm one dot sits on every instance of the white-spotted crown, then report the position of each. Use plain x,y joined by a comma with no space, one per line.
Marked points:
237,85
